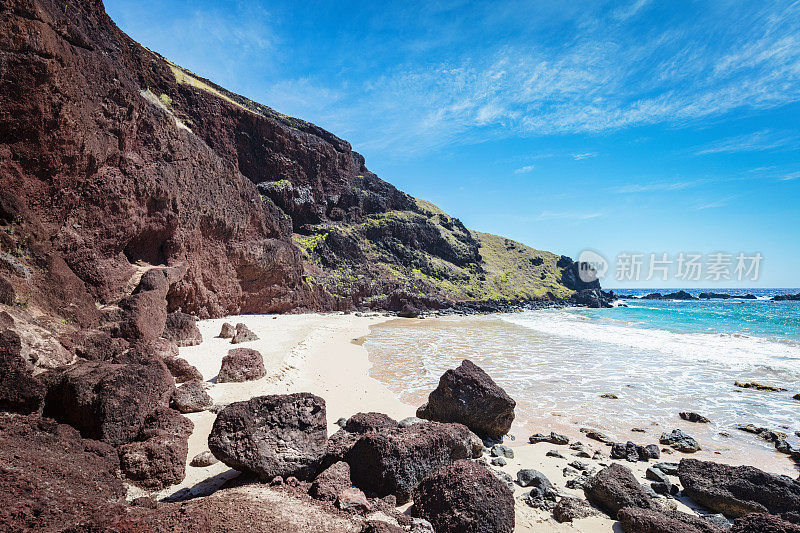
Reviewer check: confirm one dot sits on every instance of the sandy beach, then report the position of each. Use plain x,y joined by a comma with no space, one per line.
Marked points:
324,354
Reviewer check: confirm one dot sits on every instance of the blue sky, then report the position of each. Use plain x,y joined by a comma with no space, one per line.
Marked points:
637,125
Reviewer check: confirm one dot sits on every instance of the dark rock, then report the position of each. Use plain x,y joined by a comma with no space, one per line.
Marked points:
155,463
165,421
680,441
694,417
227,331
366,422
500,450
796,396
664,488
609,396
786,297
464,498
637,520
191,397
555,453
652,451
278,435
595,435
408,311
332,481
378,526
51,479
20,391
394,461
569,509
181,370
498,461
108,401
656,474
203,459
467,395
758,386
243,334
7,293
527,477
671,469
552,438
181,328
763,523
737,490
614,488
342,422
241,364
578,483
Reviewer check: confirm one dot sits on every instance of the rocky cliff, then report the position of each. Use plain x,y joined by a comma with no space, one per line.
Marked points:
114,160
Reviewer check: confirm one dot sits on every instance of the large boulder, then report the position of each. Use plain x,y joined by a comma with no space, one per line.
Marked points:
614,488
108,401
50,478
468,395
144,313
278,435
763,523
157,458
181,370
465,497
181,328
737,490
638,520
241,364
20,391
359,424
366,422
395,461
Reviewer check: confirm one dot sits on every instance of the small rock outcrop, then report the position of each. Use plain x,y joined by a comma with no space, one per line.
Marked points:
680,441
614,488
366,422
465,497
691,416
278,435
737,490
467,395
241,364
203,459
227,331
569,509
243,334
181,370
191,397
763,523
638,520
181,328
395,461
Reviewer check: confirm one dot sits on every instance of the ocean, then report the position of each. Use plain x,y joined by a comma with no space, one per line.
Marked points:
659,357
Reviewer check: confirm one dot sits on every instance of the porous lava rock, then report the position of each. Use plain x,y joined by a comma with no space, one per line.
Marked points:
181,328
241,364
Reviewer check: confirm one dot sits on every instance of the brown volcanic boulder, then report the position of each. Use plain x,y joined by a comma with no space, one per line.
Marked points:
144,315
227,331
51,478
181,328
243,334
108,401
241,364
465,497
331,482
395,461
20,392
737,490
638,520
278,435
468,395
181,370
763,523
158,458
366,422
191,397
614,488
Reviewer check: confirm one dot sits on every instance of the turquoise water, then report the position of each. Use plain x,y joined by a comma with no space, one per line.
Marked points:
778,321
659,357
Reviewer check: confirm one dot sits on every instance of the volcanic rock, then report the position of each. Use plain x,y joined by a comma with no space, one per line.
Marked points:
694,417
227,331
203,459
241,364
332,481
569,509
680,441
638,520
20,392
243,334
468,395
181,328
191,397
737,490
763,523
464,497
614,488
278,435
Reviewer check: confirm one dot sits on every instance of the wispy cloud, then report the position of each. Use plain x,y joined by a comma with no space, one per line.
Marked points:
566,215
791,176
524,170
630,10
585,155
665,186
721,202
759,141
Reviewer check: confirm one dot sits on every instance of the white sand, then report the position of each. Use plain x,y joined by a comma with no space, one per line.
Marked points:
322,354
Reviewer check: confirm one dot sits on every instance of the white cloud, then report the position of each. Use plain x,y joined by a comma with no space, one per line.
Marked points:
566,215
584,155
626,12
758,141
524,170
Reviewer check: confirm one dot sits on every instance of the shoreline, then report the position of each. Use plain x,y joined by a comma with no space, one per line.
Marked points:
325,354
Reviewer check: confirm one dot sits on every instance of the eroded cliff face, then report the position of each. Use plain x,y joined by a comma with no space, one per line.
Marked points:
99,177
